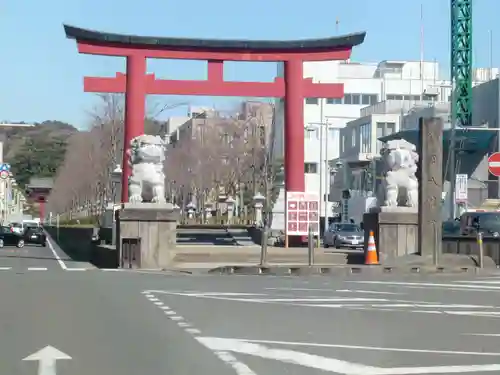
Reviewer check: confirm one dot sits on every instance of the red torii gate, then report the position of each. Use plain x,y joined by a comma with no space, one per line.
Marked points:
136,83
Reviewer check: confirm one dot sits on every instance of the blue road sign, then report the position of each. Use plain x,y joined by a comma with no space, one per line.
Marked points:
4,167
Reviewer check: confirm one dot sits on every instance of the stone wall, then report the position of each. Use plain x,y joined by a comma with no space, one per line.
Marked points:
77,243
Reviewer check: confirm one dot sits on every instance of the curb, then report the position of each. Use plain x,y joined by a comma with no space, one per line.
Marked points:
346,270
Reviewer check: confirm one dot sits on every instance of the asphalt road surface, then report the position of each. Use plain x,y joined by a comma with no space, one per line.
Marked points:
129,323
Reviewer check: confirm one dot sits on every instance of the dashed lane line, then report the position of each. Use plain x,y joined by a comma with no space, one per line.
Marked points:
239,367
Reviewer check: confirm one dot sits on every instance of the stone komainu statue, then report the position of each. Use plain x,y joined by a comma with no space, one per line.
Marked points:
401,160
146,159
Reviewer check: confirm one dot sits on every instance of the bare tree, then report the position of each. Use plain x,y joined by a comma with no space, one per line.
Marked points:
215,154
83,181
218,154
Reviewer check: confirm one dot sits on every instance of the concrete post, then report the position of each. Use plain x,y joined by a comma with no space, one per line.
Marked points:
430,172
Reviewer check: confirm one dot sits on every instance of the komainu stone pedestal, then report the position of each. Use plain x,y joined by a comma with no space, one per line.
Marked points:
147,235
395,230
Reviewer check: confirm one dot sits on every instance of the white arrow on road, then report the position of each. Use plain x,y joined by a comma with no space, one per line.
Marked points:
47,358
331,364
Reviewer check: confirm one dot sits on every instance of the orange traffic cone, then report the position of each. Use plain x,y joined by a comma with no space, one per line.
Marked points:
371,256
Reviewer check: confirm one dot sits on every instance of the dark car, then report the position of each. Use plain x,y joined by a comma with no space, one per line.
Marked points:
451,227
35,235
486,222
8,237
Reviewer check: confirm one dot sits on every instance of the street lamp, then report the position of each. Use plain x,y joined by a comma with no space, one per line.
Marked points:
258,201
324,177
116,177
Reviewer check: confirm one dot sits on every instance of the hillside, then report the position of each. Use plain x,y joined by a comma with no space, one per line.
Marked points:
37,150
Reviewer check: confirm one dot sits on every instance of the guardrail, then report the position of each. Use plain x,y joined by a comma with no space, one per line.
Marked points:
468,245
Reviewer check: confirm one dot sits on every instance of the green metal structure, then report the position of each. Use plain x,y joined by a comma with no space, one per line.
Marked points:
461,62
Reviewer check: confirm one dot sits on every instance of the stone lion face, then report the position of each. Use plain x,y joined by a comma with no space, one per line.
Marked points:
149,148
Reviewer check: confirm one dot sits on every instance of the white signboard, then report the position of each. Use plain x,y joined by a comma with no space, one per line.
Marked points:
461,188
302,211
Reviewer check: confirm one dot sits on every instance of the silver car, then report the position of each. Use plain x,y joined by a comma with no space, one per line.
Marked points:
344,235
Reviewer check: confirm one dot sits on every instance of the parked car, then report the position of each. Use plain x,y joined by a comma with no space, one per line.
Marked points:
17,227
451,227
344,235
486,222
35,235
10,237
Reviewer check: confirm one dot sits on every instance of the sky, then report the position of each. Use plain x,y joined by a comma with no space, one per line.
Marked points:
41,73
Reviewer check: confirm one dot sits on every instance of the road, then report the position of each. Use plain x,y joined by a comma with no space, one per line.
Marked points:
129,323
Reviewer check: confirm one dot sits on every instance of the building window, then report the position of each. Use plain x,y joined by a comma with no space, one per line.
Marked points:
332,132
391,128
333,100
310,167
394,97
353,138
369,99
429,98
356,99
314,101
311,133
365,138
384,129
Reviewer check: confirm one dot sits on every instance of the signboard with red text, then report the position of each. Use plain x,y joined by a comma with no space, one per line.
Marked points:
302,211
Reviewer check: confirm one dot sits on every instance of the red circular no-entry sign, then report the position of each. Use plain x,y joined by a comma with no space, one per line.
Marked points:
494,164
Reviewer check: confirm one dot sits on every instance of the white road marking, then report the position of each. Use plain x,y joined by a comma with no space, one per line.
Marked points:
5,268
58,258
268,300
491,314
480,282
333,290
225,356
482,334
365,292
239,367
77,269
47,358
373,348
316,300
37,268
331,364
430,285
217,294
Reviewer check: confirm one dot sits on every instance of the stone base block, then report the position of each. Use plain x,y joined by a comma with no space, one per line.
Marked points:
147,235
396,233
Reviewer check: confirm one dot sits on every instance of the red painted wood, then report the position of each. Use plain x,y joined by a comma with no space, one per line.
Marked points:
108,49
213,87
